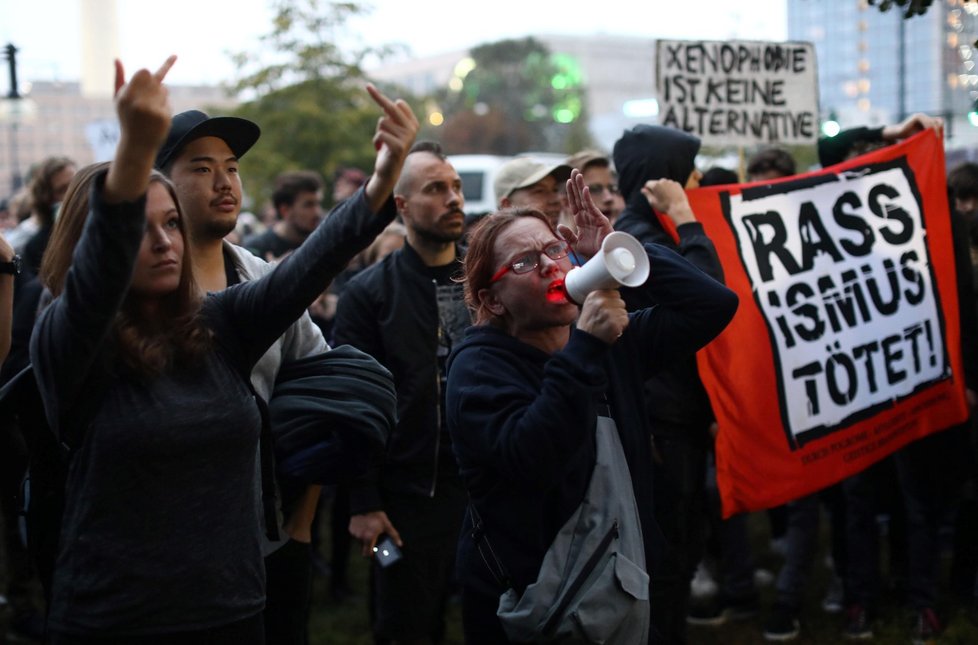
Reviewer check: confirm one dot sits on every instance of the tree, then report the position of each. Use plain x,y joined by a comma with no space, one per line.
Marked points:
513,96
306,93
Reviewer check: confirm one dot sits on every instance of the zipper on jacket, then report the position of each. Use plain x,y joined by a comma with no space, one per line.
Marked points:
438,339
580,578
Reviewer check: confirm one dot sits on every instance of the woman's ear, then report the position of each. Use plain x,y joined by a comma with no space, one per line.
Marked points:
490,302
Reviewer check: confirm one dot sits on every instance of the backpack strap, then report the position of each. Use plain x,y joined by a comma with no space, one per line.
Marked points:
481,541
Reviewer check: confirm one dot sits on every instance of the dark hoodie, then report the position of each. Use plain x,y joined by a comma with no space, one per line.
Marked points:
676,400
522,421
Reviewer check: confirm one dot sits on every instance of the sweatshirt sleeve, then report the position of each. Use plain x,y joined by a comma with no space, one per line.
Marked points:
693,244
71,332
263,309
502,421
833,150
679,310
698,249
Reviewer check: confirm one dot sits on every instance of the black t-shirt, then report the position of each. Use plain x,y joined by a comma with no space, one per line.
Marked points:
268,245
453,320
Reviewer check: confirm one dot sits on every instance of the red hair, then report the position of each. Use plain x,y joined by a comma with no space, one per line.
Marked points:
480,258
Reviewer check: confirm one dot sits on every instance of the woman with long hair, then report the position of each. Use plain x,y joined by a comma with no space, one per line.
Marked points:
147,380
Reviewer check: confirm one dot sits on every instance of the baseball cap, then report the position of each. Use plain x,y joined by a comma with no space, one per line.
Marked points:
523,172
239,134
585,158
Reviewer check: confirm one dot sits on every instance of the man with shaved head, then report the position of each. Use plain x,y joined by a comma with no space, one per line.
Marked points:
408,313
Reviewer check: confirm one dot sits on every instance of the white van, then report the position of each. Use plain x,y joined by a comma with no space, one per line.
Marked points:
478,173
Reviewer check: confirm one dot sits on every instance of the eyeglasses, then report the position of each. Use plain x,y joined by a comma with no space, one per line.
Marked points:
599,189
531,259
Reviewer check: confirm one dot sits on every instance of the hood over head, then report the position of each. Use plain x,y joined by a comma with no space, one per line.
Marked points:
653,152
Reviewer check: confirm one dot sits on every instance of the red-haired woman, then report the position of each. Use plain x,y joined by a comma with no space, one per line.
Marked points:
527,386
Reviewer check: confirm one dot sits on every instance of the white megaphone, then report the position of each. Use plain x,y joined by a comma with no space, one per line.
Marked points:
621,261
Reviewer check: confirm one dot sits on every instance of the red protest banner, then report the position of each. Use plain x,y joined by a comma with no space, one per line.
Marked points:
846,345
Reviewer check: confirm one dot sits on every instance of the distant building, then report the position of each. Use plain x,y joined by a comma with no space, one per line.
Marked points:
78,119
57,119
876,68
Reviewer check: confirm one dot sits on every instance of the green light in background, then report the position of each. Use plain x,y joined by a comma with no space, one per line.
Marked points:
563,115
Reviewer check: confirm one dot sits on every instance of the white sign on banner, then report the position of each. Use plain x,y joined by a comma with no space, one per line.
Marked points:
731,93
840,270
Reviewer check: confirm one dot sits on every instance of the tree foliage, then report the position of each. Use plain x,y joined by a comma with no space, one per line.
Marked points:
514,99
304,86
910,8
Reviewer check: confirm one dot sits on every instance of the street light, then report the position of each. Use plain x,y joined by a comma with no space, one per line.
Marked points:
831,126
973,114
10,53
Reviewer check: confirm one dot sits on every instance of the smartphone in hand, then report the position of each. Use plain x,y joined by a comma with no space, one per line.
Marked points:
385,551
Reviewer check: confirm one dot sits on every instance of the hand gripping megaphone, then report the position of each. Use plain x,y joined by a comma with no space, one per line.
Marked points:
621,261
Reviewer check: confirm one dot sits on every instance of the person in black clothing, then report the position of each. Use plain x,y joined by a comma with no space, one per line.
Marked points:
931,470
526,385
408,313
9,268
160,537
297,199
679,411
47,189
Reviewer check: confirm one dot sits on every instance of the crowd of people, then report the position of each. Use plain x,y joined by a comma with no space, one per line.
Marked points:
454,403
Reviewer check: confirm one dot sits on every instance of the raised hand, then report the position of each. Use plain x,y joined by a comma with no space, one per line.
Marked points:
395,134
669,197
143,105
592,225
912,125
144,120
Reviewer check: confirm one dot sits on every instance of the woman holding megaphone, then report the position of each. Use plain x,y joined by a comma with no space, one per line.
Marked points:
546,413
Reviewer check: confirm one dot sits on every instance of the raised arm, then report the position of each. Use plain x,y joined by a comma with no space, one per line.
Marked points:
266,307
395,134
678,311
71,332
144,120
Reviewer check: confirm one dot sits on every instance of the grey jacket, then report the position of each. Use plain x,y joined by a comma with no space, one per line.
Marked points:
302,339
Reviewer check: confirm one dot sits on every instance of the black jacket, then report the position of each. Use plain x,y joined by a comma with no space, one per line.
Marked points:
523,421
390,312
675,396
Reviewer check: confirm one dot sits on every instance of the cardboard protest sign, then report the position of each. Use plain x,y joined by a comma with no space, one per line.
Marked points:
738,93
846,344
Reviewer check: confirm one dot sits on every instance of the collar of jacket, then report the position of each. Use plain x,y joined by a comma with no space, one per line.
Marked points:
410,258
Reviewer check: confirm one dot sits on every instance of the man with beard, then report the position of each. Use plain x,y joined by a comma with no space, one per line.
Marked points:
408,313
297,199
